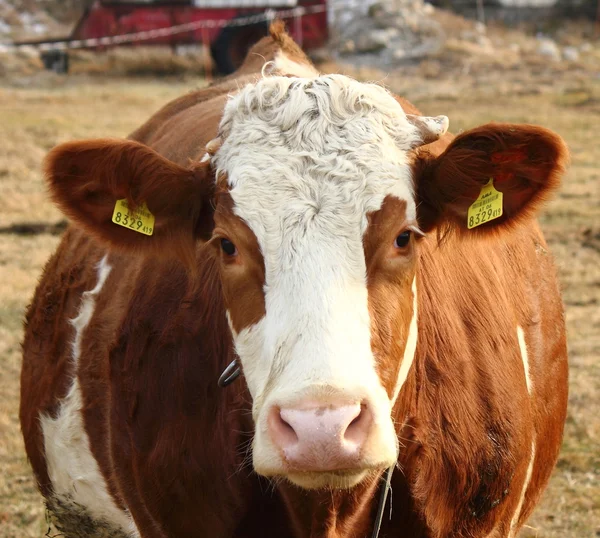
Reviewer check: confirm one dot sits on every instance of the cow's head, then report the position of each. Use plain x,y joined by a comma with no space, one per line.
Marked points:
314,201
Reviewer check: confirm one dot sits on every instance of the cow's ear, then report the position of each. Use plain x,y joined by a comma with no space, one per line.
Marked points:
98,183
522,162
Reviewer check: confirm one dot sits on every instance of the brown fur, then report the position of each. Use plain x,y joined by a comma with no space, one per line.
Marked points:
389,278
172,446
243,277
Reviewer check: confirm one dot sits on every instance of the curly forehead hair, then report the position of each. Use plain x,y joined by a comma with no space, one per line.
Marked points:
326,102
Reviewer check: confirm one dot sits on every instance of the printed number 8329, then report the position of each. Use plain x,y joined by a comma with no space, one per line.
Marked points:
128,220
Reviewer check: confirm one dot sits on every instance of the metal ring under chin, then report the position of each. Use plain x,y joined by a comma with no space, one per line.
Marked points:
230,374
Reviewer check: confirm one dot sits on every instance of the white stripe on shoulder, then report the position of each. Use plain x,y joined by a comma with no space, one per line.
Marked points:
514,524
524,357
72,468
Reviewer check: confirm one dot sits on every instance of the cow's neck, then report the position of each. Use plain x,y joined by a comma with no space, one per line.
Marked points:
331,514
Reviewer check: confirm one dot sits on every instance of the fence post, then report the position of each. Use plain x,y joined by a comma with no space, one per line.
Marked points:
480,12
206,54
298,14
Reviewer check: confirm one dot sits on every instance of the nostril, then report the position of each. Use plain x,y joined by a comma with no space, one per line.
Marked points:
287,430
282,431
357,430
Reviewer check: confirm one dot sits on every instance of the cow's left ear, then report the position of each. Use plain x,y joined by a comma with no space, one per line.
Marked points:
130,197
523,162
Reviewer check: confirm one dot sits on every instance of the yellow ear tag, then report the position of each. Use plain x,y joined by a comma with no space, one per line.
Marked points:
488,206
140,220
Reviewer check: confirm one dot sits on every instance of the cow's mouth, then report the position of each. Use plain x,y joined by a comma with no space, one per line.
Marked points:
338,479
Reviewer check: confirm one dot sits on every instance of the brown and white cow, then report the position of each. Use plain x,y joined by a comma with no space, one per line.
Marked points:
322,239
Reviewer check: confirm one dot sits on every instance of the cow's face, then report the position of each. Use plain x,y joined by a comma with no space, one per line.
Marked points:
316,227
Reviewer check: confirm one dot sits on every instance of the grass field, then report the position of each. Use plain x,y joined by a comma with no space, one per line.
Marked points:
36,117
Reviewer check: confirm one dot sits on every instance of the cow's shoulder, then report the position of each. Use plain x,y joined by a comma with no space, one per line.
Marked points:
48,337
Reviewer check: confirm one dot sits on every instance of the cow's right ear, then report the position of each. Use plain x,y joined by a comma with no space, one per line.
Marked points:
88,178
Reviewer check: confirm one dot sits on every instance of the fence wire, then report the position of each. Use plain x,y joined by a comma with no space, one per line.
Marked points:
266,16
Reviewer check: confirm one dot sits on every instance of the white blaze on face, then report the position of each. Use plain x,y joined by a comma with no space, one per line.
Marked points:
306,161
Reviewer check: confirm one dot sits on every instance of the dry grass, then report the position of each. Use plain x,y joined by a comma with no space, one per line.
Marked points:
36,118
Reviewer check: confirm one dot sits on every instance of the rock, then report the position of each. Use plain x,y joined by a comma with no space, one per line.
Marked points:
390,30
586,47
428,9
4,27
480,28
548,48
468,35
392,33
485,42
375,10
373,41
571,54
348,47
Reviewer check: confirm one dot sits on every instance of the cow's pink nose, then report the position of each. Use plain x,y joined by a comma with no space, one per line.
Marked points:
314,437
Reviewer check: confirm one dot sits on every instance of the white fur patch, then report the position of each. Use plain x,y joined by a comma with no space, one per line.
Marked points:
515,520
72,468
306,161
284,66
524,357
411,347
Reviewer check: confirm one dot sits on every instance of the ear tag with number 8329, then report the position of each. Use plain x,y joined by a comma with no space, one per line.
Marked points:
140,220
488,206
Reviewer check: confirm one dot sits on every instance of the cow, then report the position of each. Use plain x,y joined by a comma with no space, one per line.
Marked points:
382,286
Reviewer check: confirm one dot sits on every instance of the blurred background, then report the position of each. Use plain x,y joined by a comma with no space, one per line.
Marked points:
84,68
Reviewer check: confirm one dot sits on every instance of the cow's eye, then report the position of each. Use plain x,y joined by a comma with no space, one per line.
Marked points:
228,247
403,239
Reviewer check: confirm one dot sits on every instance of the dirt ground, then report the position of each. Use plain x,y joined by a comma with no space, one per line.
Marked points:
39,112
